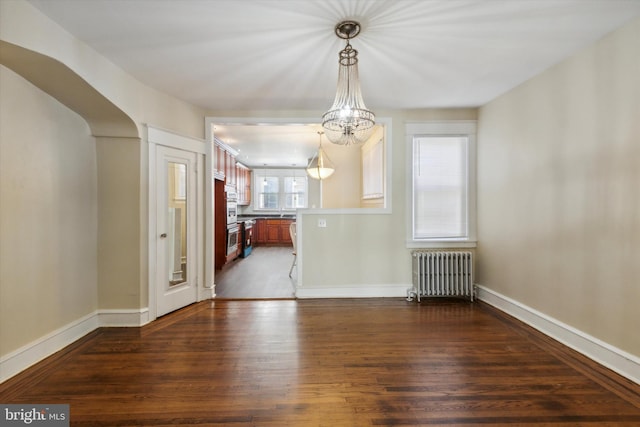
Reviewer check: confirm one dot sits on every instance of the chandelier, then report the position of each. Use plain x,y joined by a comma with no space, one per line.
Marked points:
320,166
348,121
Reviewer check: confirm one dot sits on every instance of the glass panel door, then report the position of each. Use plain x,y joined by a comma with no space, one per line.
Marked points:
177,218
176,250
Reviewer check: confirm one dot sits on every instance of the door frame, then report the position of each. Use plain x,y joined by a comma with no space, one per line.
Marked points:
204,209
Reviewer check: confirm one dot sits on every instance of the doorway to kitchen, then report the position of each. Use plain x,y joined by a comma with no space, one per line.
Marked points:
262,275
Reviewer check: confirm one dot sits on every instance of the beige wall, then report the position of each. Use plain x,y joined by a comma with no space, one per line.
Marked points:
358,250
119,225
558,191
96,244
342,189
48,214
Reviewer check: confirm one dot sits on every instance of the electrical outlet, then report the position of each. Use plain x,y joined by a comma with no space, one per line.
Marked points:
322,222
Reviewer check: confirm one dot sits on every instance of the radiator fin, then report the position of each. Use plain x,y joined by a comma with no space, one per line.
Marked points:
442,274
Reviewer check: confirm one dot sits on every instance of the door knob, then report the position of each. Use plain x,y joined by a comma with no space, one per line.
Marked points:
163,235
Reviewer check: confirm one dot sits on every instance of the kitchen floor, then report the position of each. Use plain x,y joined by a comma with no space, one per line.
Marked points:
262,275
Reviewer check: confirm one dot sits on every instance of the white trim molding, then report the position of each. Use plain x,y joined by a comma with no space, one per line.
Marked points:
123,318
45,346
466,128
155,137
359,291
605,354
38,350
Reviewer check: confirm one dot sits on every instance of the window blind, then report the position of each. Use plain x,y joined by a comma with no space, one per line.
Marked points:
440,181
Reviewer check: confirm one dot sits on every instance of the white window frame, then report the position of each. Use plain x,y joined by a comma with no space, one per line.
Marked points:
297,178
260,187
466,128
281,174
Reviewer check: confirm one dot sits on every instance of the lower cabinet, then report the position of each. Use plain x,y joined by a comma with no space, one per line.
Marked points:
273,231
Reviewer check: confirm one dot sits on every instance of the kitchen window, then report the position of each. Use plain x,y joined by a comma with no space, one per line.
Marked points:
269,192
442,183
281,189
295,192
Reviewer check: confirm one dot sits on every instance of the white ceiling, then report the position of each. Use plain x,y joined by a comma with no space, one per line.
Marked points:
251,55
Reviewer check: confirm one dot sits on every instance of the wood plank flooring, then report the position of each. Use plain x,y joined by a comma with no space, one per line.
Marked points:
365,362
263,274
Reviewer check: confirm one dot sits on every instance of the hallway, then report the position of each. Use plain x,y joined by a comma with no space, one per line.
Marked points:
262,275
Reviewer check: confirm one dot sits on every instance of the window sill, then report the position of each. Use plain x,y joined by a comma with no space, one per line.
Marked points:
435,244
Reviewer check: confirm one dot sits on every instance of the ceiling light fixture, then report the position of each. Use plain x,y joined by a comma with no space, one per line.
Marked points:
320,166
348,121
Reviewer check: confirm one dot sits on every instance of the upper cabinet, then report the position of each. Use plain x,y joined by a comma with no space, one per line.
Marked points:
227,169
243,184
230,169
224,163
219,158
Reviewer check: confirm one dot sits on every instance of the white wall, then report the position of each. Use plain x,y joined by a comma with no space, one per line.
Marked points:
558,192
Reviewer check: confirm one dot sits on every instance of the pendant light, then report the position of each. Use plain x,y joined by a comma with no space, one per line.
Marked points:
348,121
320,166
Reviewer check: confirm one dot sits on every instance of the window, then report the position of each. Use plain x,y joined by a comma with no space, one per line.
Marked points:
443,181
281,189
295,192
268,197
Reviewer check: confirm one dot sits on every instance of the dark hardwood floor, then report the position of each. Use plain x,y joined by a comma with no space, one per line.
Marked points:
328,363
263,275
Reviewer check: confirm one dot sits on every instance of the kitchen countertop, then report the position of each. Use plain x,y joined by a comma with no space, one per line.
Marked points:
264,216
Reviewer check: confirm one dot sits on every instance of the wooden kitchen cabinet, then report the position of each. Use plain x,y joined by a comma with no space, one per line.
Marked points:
219,162
272,231
230,169
220,231
243,182
259,230
284,231
224,164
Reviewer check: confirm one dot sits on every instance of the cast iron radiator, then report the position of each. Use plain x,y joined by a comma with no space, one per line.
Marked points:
441,274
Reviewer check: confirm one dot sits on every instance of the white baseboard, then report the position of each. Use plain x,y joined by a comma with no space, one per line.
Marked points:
605,354
32,353
130,317
35,351
360,291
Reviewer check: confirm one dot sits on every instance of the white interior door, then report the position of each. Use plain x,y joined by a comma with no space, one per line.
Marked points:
176,281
